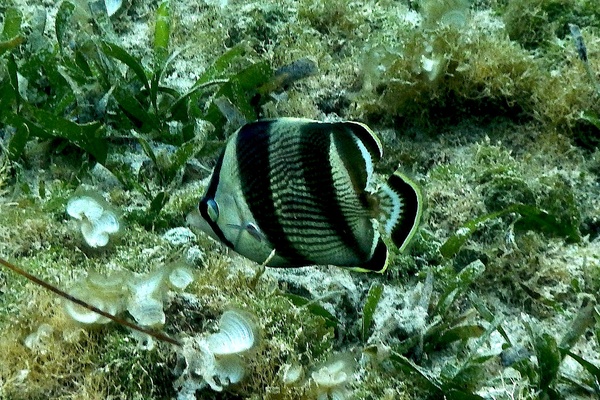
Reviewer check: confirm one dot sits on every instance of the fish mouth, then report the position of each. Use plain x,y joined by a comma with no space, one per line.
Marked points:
194,219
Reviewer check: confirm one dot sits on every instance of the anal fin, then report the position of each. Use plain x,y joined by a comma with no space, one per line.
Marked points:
378,262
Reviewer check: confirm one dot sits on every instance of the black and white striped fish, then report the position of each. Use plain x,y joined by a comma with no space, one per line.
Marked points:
304,192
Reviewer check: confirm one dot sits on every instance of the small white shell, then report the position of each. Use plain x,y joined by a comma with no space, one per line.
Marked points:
85,316
149,285
98,221
181,277
230,369
108,222
236,334
335,372
147,311
331,375
111,283
93,236
145,300
84,206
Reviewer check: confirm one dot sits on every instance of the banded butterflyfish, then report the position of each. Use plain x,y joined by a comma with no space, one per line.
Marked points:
297,192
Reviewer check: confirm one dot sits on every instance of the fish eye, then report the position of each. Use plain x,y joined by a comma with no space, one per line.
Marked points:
212,209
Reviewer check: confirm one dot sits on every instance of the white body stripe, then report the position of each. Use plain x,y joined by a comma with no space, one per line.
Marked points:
368,163
394,210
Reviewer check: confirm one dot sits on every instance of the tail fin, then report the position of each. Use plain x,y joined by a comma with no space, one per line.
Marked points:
401,208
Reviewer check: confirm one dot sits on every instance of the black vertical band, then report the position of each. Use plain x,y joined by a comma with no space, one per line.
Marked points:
314,151
253,151
210,195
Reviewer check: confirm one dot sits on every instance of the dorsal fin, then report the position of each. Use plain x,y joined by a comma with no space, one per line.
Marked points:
359,149
367,137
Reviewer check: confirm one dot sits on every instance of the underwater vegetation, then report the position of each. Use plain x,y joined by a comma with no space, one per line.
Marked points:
97,220
463,59
112,116
216,360
141,295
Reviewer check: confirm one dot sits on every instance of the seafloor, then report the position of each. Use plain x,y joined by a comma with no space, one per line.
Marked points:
493,107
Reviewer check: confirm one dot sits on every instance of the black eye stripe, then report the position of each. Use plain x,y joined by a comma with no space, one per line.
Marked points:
212,208
210,196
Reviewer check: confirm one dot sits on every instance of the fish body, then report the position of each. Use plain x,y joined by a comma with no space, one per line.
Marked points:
299,192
